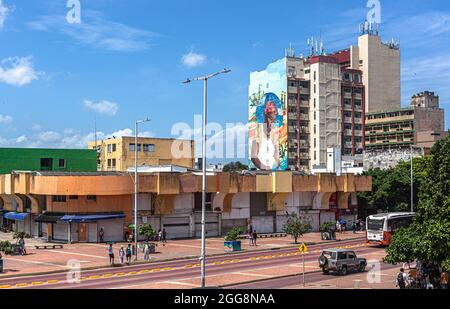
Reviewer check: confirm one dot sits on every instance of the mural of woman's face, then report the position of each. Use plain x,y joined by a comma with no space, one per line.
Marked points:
270,112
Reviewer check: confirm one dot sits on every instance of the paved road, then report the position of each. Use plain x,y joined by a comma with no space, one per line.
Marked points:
136,275
313,279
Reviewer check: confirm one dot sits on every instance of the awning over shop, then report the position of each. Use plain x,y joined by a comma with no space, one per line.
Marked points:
91,218
16,216
49,217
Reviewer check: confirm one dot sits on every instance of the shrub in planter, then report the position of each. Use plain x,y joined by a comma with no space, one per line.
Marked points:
231,239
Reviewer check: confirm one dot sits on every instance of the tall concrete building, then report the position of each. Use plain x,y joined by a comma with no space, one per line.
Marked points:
299,107
380,64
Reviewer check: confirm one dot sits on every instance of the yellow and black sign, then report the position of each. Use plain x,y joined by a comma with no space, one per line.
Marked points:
303,248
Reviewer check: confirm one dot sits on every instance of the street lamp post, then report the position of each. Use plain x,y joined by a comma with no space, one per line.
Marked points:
412,177
136,183
205,99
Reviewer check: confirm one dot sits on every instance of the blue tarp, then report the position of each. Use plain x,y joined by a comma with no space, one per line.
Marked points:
91,218
16,216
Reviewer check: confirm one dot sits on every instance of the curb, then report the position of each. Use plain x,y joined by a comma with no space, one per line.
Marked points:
55,272
269,279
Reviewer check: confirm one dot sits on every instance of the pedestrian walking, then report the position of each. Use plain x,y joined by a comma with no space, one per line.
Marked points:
159,236
128,254
23,250
338,227
444,280
122,255
401,279
255,237
101,235
354,227
146,252
164,237
250,238
111,254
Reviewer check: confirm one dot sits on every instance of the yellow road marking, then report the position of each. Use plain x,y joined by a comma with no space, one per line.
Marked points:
37,283
167,268
217,263
20,285
107,275
120,274
188,266
132,273
52,281
94,277
144,271
5,286
253,259
156,269
197,265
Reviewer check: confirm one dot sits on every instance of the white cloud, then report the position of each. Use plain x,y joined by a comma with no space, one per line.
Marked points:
49,137
5,119
4,11
98,32
192,59
102,107
129,132
21,139
17,71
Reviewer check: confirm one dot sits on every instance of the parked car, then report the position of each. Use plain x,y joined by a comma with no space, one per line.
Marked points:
341,261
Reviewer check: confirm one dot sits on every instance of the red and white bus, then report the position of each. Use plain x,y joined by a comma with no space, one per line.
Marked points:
381,227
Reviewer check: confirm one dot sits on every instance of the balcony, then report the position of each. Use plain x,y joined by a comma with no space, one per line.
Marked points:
304,117
304,103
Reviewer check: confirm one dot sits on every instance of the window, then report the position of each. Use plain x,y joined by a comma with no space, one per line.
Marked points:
341,256
113,163
315,76
133,148
46,164
59,199
315,129
62,163
315,116
92,198
351,255
109,162
307,71
112,148
73,197
315,155
315,142
314,88
314,102
149,148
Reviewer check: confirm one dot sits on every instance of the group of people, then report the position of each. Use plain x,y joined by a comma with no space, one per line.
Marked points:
422,277
123,253
126,253
252,236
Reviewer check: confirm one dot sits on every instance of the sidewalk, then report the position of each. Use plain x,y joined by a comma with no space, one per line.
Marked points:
96,255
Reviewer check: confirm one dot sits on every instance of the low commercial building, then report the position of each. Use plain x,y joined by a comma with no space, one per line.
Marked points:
75,206
118,154
61,160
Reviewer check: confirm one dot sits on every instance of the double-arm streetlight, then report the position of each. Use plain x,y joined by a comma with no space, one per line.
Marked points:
136,129
203,250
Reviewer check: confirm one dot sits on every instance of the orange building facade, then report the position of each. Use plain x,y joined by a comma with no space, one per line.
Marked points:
75,207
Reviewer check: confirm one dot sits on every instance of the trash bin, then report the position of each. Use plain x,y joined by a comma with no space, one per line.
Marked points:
1,266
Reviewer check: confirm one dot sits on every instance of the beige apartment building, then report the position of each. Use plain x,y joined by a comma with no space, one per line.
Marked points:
380,65
420,125
118,154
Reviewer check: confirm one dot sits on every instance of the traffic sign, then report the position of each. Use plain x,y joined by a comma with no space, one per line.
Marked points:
303,248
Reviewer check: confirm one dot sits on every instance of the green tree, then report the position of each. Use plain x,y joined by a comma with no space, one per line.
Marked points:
147,231
6,247
235,167
428,238
391,189
296,226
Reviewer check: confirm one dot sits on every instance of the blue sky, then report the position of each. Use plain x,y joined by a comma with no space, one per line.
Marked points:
126,59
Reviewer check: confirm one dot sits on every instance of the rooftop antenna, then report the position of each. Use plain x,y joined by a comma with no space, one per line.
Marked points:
322,49
317,47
